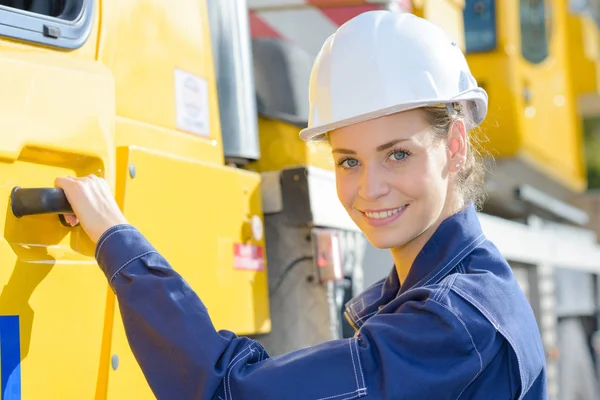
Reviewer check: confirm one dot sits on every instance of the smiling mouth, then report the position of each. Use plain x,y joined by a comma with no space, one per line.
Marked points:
385,213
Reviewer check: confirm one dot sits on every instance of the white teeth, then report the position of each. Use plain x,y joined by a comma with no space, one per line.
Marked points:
384,214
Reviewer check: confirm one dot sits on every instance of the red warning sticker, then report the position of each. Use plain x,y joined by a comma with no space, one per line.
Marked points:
248,257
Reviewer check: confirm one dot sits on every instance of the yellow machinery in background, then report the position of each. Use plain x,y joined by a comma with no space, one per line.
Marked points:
584,59
191,112
519,51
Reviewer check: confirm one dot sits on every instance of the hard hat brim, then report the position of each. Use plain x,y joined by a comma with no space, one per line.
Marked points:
475,115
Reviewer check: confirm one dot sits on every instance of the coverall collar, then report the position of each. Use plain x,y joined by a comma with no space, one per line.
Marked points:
455,238
450,243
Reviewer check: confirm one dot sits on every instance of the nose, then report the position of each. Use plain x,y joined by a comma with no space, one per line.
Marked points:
373,184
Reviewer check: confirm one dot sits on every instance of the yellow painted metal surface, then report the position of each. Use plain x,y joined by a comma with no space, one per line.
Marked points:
51,126
584,54
175,202
496,72
281,147
144,43
552,135
584,62
177,39
180,180
532,111
66,112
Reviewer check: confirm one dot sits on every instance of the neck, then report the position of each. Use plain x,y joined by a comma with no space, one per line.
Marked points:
405,255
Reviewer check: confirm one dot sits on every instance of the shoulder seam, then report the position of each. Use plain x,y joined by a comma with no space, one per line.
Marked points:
447,283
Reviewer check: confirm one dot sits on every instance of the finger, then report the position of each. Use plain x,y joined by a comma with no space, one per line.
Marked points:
95,188
71,219
61,181
104,190
91,178
94,184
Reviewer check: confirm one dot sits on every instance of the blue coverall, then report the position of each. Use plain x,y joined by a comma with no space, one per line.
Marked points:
458,327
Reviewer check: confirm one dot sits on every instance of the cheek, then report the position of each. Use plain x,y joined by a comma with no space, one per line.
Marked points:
436,174
346,190
422,179
415,178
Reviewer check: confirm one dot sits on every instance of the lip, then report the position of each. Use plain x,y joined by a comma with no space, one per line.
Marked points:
383,221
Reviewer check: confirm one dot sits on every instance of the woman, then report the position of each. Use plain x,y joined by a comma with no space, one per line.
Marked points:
394,97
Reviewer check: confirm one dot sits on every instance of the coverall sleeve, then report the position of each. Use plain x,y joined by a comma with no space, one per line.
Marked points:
421,352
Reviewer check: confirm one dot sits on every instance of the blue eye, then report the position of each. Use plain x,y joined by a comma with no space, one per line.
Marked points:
349,163
399,155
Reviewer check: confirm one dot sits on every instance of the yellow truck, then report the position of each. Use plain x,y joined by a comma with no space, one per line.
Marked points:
191,111
125,90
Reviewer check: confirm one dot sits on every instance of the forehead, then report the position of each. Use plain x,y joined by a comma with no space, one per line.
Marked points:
400,126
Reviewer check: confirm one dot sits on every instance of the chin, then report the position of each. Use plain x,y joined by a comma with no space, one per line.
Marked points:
387,240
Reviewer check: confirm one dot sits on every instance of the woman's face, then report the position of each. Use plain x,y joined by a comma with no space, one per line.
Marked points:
392,175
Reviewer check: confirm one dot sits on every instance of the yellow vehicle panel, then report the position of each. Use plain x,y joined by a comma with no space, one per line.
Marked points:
584,62
501,126
158,81
148,110
584,54
281,147
53,295
532,112
175,204
552,134
124,379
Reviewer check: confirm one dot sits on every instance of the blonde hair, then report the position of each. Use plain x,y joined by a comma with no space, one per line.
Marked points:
471,178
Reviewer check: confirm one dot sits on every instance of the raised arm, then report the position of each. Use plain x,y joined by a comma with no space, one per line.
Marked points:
420,350
183,356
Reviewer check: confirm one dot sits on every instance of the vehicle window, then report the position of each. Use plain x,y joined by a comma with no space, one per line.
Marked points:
535,30
58,23
480,25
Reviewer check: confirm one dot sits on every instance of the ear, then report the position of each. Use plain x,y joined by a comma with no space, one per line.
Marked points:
457,146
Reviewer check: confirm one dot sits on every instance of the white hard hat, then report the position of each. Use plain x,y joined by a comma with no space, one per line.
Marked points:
384,62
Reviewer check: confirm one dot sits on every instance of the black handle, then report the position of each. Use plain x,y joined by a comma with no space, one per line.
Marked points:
34,201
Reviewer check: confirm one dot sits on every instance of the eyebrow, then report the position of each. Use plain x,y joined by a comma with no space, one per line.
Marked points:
382,147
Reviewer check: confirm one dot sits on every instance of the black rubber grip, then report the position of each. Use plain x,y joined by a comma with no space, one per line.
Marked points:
35,201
